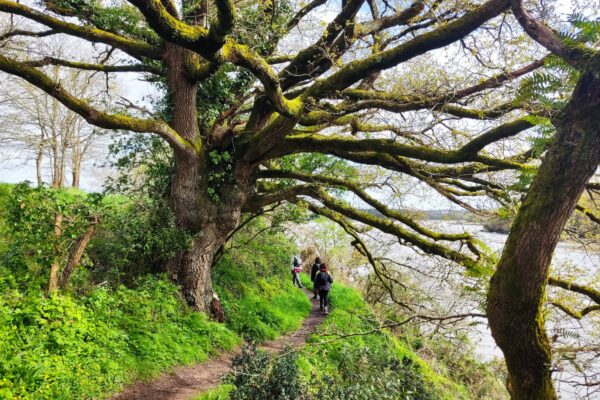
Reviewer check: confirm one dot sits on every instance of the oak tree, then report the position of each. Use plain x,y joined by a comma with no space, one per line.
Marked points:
338,98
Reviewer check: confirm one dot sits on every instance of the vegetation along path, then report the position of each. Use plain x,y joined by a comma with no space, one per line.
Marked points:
186,382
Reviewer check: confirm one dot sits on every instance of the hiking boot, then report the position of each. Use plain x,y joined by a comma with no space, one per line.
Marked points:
326,310
314,297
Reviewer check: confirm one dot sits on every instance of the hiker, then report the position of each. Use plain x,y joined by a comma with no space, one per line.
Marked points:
313,274
296,268
323,282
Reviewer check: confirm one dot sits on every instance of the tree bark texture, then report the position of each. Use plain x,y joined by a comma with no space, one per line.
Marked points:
55,266
77,252
207,220
516,294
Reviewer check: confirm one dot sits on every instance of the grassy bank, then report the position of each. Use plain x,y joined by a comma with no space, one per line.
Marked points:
118,320
367,366
68,347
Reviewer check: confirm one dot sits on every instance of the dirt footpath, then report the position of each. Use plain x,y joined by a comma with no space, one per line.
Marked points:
185,383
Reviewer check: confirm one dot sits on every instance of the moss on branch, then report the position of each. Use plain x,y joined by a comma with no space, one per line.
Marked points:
440,37
468,152
133,47
362,194
388,226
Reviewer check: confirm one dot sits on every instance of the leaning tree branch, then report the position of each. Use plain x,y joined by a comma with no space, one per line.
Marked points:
588,291
20,32
356,70
93,67
469,152
574,313
389,226
362,194
576,54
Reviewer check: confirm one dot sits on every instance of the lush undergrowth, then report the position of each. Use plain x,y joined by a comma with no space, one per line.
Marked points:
96,335
62,347
348,360
256,290
67,347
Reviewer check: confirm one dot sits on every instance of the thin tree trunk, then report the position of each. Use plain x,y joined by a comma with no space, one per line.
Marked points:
77,252
38,166
516,293
76,173
55,266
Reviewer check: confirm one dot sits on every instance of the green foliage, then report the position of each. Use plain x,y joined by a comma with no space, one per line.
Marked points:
367,373
257,375
61,347
316,163
356,367
220,173
113,16
144,164
368,366
583,30
32,226
89,341
135,235
484,381
220,91
221,392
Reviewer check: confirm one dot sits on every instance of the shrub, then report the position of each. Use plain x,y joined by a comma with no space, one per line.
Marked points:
257,375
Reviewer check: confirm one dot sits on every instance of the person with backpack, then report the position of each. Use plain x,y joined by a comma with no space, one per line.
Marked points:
323,282
296,268
313,274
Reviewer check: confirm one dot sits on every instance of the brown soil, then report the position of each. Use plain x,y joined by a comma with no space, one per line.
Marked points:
184,383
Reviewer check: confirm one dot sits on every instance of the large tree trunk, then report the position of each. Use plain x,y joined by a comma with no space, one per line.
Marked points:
207,220
516,293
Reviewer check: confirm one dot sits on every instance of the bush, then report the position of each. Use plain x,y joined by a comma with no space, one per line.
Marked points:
373,373
257,375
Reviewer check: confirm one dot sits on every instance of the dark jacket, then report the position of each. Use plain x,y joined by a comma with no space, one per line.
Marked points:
323,281
314,271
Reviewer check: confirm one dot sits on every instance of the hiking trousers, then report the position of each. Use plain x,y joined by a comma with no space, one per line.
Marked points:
324,298
296,279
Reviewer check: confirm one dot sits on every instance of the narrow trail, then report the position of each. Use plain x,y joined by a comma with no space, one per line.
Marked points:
184,383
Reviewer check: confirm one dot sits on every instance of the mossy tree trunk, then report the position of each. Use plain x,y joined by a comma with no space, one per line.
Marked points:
516,294
207,215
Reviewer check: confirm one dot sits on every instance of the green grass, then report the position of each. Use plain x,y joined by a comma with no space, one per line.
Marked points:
221,392
60,347
261,303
